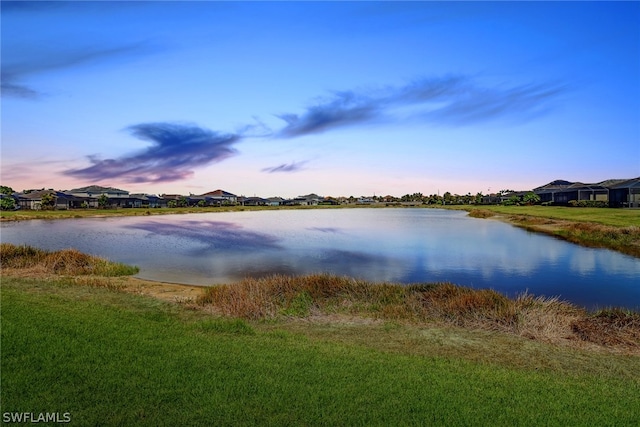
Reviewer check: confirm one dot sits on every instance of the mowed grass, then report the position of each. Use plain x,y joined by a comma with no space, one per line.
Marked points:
111,358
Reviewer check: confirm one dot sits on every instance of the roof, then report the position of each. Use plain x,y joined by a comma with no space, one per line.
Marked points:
219,193
37,195
561,185
558,184
98,189
629,183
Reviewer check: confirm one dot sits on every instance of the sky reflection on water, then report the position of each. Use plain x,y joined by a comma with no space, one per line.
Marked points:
397,245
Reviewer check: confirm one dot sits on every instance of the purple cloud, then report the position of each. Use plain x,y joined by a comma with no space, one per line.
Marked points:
176,149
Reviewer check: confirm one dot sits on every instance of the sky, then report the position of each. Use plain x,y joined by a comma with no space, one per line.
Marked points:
334,98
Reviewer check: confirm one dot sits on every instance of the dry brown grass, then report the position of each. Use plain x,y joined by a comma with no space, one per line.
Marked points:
273,296
481,213
64,262
613,327
542,319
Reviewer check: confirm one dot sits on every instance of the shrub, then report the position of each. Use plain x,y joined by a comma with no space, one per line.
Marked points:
7,203
588,204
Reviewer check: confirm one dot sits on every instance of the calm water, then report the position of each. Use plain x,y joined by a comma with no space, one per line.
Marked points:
398,245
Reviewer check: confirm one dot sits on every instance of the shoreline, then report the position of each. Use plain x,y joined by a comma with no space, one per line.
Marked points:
338,300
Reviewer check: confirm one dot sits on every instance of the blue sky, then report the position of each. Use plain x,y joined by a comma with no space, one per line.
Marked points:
336,98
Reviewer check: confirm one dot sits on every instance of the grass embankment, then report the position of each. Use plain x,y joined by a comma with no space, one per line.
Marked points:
319,351
616,229
21,215
325,297
32,260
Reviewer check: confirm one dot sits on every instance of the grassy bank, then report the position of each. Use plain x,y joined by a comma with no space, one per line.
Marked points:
23,215
326,297
316,350
616,229
32,260
111,358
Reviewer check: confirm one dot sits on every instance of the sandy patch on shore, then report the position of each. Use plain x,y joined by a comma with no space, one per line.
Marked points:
171,292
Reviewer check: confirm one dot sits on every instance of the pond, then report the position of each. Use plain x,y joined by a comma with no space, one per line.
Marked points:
395,245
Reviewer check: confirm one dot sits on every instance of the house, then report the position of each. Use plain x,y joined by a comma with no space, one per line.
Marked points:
328,200
96,191
548,192
34,200
308,200
224,196
625,193
363,200
253,201
615,192
148,201
275,201
88,196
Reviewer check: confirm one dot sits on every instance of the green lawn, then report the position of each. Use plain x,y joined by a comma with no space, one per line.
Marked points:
111,358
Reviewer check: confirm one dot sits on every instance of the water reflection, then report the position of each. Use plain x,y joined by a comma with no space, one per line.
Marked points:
397,245
212,235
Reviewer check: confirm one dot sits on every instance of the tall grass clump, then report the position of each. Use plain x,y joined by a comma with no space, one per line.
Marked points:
481,213
609,327
65,262
276,296
540,318
464,306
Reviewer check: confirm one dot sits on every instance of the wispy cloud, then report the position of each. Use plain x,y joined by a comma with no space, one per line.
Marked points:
176,150
286,167
343,109
449,100
16,68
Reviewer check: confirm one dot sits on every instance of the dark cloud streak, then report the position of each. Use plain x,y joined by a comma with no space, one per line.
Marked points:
290,167
346,108
37,61
449,100
175,150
